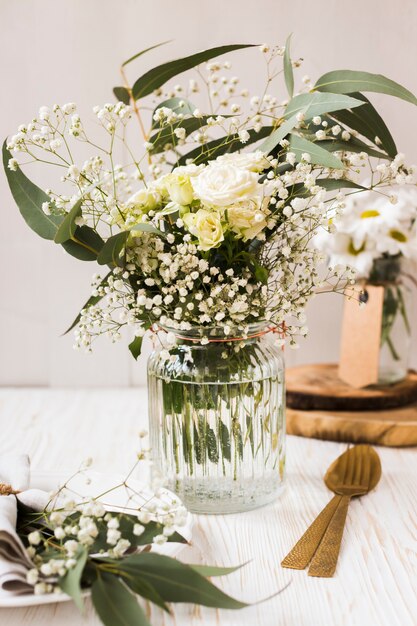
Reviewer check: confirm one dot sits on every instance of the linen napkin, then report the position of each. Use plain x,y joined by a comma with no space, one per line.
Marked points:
14,560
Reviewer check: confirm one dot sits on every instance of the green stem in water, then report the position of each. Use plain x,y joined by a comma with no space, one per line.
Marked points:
392,349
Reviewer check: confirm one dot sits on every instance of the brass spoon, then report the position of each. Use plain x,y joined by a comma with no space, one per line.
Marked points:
355,472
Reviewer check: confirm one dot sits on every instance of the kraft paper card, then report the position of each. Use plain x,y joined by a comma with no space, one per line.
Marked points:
361,336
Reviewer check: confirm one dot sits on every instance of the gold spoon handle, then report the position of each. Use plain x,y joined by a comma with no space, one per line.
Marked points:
302,553
324,561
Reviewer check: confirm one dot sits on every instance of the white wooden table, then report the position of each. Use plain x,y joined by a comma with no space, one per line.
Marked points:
376,579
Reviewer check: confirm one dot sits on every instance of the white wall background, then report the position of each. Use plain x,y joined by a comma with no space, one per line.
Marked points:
70,50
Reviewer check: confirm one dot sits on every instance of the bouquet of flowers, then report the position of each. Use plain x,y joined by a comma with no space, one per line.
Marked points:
206,236
376,235
197,231
374,231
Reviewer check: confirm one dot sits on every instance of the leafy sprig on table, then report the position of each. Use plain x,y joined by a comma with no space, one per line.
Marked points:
116,580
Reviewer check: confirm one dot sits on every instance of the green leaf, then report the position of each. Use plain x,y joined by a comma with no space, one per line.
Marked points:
145,590
29,198
71,582
68,226
353,145
146,227
177,582
110,252
180,106
224,441
166,135
288,72
139,54
347,81
90,302
211,570
87,245
368,123
114,603
223,145
278,135
338,183
312,104
318,155
122,94
135,347
159,75
261,274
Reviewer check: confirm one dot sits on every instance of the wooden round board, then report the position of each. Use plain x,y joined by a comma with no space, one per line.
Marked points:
318,387
395,427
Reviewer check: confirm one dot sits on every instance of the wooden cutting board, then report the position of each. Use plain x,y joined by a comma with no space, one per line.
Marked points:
319,387
353,417
396,427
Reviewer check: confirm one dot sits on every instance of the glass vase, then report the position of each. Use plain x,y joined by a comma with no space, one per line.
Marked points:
217,419
396,319
395,334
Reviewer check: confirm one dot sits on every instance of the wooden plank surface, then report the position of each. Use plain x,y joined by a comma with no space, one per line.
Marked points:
376,580
318,386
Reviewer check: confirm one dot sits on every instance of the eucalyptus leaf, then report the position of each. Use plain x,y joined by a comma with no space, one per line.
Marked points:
224,441
71,582
318,156
368,123
278,135
338,183
347,81
177,582
158,76
115,604
166,134
353,145
317,103
122,95
261,274
146,227
135,347
288,71
139,54
66,229
86,245
147,591
211,570
90,302
110,252
29,198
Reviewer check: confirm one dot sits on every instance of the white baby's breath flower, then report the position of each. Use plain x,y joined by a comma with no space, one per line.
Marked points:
138,530
34,538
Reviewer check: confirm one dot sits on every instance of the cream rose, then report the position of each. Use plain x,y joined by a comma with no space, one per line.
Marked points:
246,221
221,184
144,200
179,188
206,226
253,161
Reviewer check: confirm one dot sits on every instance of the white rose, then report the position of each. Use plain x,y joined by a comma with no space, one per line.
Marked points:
246,221
206,226
189,170
144,200
221,185
254,161
179,188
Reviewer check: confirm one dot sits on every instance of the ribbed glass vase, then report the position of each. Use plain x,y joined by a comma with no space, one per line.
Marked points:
217,419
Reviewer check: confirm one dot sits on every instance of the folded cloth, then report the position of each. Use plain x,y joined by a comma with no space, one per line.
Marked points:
14,560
